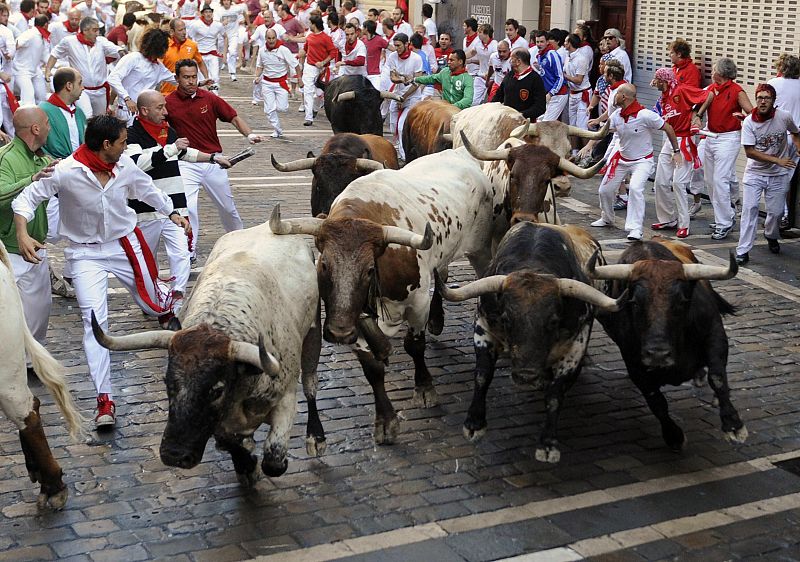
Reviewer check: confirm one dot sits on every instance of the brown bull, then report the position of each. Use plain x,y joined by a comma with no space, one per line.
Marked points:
427,128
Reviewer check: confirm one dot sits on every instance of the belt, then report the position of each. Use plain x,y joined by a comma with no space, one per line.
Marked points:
104,85
584,94
563,90
611,168
281,81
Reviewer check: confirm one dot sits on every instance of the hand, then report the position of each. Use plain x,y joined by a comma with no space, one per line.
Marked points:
785,162
678,158
256,80
319,65
28,247
697,123
339,65
253,138
45,172
547,98
46,77
131,105
4,138
585,152
222,161
182,222
593,122
740,115
182,143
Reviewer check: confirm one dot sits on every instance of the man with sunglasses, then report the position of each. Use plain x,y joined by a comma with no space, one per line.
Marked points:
617,49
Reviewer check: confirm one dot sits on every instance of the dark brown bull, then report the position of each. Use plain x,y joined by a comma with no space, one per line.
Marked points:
345,157
671,329
427,128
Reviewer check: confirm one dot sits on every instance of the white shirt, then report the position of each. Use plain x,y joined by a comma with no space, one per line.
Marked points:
360,50
205,35
484,52
788,96
259,37
501,67
358,14
339,38
404,27
90,213
473,64
578,64
57,32
19,24
134,73
230,19
90,62
430,29
635,140
32,52
407,67
277,62
519,43
189,10
72,125
430,52
8,48
622,56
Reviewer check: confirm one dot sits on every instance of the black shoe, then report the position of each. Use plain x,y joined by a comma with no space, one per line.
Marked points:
774,245
307,123
742,259
784,224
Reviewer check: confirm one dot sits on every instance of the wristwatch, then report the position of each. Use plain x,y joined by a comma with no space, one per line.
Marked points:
676,150
212,158
173,213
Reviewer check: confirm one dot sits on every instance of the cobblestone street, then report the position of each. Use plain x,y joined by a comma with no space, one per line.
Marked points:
618,493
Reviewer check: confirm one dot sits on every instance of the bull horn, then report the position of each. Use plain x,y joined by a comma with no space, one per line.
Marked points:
153,339
389,96
522,130
491,284
448,137
396,235
577,171
699,271
481,154
255,355
294,165
293,226
619,272
587,293
367,165
346,96
585,134
526,129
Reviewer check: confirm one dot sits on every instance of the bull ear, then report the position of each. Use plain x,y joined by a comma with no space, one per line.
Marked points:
322,216
310,154
174,324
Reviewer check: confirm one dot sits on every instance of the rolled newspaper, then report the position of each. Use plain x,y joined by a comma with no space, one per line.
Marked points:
239,156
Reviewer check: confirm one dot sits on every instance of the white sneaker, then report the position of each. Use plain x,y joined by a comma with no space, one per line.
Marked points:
277,134
301,109
634,235
695,208
600,223
255,102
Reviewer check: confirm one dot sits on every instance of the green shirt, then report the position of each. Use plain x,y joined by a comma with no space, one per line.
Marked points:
17,165
455,89
58,143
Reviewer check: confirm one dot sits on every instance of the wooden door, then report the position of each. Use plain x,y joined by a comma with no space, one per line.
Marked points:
545,9
618,14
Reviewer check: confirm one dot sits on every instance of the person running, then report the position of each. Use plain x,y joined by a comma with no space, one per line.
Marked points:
208,34
274,66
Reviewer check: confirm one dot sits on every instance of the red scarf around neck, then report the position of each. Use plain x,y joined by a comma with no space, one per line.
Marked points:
758,118
58,102
543,52
486,44
523,73
83,40
208,23
616,85
45,33
157,131
406,54
287,18
683,63
584,44
459,72
278,43
631,111
92,161
348,48
69,27
471,38
719,88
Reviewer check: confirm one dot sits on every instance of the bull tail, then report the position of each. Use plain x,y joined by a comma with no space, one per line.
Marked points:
723,306
319,83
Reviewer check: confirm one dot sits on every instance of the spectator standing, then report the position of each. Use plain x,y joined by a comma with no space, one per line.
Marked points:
431,33
617,46
551,70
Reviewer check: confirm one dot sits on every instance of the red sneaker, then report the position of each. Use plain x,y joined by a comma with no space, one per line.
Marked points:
105,412
682,233
664,225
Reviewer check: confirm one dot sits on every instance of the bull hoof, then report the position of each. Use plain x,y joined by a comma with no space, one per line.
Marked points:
425,397
737,435
675,438
699,378
315,446
249,479
386,431
474,435
56,502
548,454
274,467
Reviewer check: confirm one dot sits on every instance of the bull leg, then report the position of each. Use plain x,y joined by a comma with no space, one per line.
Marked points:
245,463
39,461
485,360
436,316
671,432
732,426
386,423
276,446
424,393
315,434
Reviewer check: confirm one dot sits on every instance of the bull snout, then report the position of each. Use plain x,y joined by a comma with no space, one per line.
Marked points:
180,457
532,379
339,334
657,355
523,217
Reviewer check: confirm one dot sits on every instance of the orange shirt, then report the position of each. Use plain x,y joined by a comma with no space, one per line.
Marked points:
187,50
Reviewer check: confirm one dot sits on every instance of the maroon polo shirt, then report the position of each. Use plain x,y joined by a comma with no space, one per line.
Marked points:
118,34
196,118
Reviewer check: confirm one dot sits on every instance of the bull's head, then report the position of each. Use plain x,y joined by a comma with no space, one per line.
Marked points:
661,296
347,265
539,315
531,169
203,368
555,135
332,173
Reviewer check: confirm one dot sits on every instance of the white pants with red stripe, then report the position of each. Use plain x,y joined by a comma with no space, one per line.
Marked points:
275,99
33,282
176,244
397,120
555,107
577,111
639,170
720,173
92,102
218,187
90,265
672,181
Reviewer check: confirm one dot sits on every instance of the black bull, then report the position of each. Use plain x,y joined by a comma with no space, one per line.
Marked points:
353,105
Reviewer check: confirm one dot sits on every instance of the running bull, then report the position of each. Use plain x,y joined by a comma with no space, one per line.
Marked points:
345,157
374,264
427,128
249,327
353,105
671,330
536,303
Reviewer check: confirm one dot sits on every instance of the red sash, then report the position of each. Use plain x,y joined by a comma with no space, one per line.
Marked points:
106,86
152,270
611,168
13,104
213,53
281,81
689,152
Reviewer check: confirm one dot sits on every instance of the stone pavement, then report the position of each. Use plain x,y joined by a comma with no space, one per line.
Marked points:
617,494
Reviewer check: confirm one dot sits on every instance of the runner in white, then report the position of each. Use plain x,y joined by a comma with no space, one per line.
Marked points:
230,15
499,67
472,41
513,38
274,65
403,66
576,73
258,40
485,49
188,10
206,33
22,20
8,47
431,32
87,52
33,48
61,29
354,58
400,24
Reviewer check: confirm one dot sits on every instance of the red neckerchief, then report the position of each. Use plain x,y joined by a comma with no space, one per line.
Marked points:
278,43
683,63
719,88
27,17
471,38
69,27
523,74
511,41
58,102
157,131
486,44
398,24
287,18
631,111
547,48
45,33
425,40
83,40
616,85
458,72
757,116
779,75
406,54
584,44
208,23
348,49
92,161
389,37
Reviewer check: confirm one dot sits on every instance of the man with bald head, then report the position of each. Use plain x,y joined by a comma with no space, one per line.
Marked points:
274,66
156,149
21,162
61,29
632,123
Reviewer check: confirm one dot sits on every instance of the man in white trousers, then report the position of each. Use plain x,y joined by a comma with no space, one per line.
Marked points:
87,52
770,165
194,114
94,185
576,73
354,56
230,15
274,66
633,124
404,65
207,33
33,48
320,51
